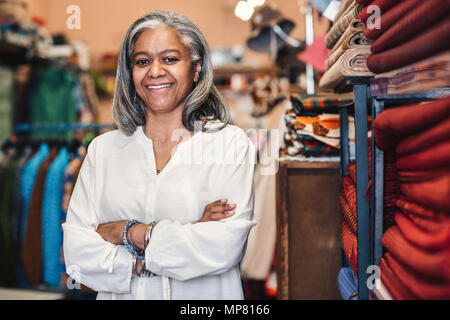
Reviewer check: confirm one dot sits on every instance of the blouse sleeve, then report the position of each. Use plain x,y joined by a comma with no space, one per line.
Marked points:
94,262
186,251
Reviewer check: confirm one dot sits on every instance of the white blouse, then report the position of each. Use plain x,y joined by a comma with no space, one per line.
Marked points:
190,260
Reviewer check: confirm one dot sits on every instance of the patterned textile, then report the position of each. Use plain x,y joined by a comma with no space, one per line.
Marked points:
427,44
430,264
352,40
395,124
390,17
350,245
354,26
320,103
421,288
351,63
348,203
426,14
427,74
341,25
345,4
384,6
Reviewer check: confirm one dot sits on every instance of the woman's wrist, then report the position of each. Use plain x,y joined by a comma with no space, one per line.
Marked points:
137,235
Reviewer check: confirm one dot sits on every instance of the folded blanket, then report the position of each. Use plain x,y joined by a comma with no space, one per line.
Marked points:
350,245
391,282
427,44
428,138
351,63
426,14
384,6
364,2
355,25
434,194
419,286
320,103
343,7
341,25
421,175
434,157
437,240
412,209
431,264
326,125
390,17
395,124
353,40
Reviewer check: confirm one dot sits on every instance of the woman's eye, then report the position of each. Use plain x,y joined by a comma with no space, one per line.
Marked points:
141,62
170,60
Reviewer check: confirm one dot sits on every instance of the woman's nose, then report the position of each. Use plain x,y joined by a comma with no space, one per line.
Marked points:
156,70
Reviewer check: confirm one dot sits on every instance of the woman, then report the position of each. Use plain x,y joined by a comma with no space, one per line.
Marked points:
159,170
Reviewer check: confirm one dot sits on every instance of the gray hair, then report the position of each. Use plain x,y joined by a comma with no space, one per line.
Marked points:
204,102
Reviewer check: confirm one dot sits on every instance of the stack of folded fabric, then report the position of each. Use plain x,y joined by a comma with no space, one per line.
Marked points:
313,125
417,262
410,31
348,204
349,47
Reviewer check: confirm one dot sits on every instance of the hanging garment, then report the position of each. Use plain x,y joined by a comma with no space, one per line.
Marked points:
390,17
29,174
190,260
53,101
31,252
52,216
427,44
393,125
426,14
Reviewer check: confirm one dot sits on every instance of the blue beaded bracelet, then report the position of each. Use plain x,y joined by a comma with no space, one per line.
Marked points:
125,242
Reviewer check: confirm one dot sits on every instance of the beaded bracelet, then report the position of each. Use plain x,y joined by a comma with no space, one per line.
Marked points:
130,249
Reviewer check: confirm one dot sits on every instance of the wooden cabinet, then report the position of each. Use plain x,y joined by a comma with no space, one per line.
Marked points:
309,254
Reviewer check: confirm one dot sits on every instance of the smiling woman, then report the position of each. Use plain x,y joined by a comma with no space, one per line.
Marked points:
142,224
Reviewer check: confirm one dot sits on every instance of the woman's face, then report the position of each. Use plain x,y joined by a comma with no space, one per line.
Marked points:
163,73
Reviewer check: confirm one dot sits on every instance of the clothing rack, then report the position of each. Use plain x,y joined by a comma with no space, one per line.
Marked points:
370,249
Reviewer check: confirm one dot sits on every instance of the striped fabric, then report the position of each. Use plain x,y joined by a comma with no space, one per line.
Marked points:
347,284
396,288
341,25
415,21
350,245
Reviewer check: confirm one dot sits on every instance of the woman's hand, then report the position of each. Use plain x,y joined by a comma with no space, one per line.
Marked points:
218,210
112,231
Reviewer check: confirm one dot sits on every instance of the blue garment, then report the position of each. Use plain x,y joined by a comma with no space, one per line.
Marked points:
347,283
52,216
28,178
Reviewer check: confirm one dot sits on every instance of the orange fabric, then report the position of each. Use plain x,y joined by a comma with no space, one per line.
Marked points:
425,139
350,244
348,214
407,206
431,264
421,175
434,194
437,156
394,124
439,239
419,286
391,282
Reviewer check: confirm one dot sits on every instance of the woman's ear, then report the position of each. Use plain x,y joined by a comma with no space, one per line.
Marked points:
197,70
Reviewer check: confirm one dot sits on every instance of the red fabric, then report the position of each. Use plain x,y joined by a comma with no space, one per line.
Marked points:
438,156
412,208
419,286
422,17
350,245
384,6
397,289
390,17
422,175
395,124
427,44
348,209
431,264
439,239
425,139
364,2
434,194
